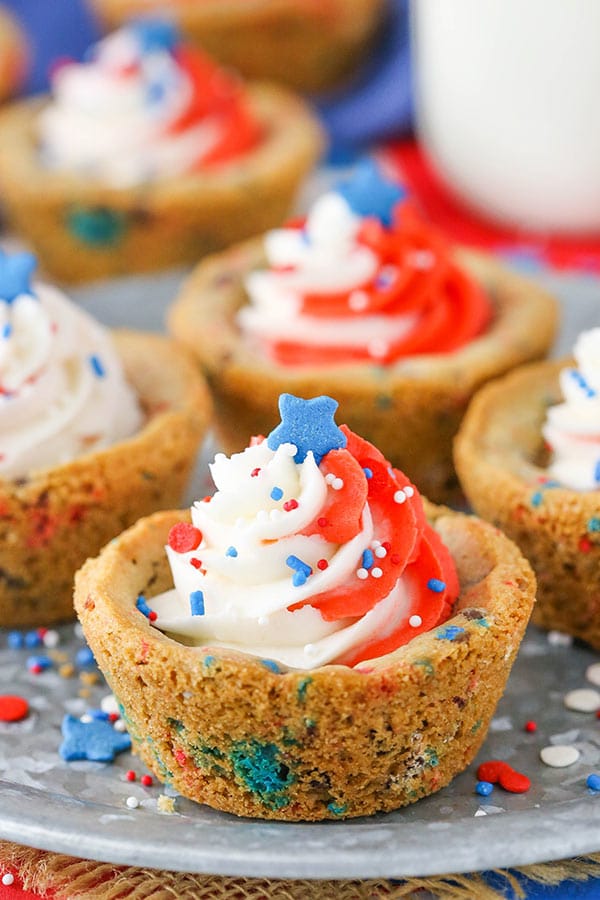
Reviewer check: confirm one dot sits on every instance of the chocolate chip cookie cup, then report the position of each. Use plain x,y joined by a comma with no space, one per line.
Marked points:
54,518
501,459
247,736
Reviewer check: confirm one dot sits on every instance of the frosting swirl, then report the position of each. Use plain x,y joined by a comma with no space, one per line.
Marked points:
572,428
144,106
312,551
362,279
62,389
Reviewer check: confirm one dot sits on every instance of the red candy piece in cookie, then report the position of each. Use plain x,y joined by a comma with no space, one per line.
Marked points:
184,537
13,708
340,519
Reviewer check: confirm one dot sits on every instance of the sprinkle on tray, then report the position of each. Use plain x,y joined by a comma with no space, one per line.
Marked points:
559,756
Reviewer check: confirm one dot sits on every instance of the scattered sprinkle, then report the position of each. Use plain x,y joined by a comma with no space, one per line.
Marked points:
593,782
367,559
142,606
13,708
438,587
582,700
376,572
309,425
415,621
400,497
132,803
183,537
531,726
559,639
97,366
559,756
84,658
322,565
197,603
255,472
165,804
130,775
368,472
37,664
7,879
231,551
484,788
592,673
97,740
15,640
289,505
146,780
32,639
362,574
51,639
276,493
271,665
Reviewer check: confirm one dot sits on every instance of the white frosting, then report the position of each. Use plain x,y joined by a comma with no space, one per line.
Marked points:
109,118
572,428
63,392
247,592
325,257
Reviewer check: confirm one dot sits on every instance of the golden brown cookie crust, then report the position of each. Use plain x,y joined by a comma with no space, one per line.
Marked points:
410,410
307,44
53,520
13,55
333,742
84,230
499,457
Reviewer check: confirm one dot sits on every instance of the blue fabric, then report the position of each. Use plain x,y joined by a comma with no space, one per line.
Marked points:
566,890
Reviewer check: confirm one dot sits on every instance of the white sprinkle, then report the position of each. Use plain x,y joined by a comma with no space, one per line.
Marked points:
362,573
51,639
358,300
376,572
377,349
375,544
559,756
422,260
592,673
337,484
109,704
399,497
380,552
132,802
263,620
310,649
558,639
415,621
290,449
409,490
86,719
78,630
8,879
329,478
583,700
219,457
120,725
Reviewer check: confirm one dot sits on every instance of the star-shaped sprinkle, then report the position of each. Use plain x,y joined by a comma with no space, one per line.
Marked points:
15,274
154,35
97,740
368,193
309,425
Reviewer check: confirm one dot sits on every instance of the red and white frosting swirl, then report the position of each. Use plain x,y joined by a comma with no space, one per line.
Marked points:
307,564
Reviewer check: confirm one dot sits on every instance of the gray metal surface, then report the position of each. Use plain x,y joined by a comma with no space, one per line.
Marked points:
80,807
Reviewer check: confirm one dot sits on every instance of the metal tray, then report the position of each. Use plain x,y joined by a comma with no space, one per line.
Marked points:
79,808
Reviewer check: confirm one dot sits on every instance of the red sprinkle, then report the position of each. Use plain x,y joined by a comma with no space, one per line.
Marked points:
184,537
146,780
181,757
585,545
322,564
386,546
35,669
207,499
254,472
112,717
491,771
322,521
290,504
13,708
130,775
531,726
195,562
152,616
498,772
394,558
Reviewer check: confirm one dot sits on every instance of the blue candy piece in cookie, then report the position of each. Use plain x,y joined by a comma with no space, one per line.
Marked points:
97,740
16,270
154,35
309,425
369,193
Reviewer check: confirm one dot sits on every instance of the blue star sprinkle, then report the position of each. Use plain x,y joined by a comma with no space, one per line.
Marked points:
368,193
154,35
309,425
15,275
97,741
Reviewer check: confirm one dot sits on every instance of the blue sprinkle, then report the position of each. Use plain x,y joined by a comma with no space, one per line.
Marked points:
44,662
367,559
536,499
272,665
32,639
142,606
435,585
577,376
594,524
484,788
338,809
298,579
7,331
593,782
276,493
96,740
15,640
155,34
449,633
16,270
597,472
369,193
85,658
231,551
309,425
98,715
368,472
197,603
298,565
155,93
97,367
209,661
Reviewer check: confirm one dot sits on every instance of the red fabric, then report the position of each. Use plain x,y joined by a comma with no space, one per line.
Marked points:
460,222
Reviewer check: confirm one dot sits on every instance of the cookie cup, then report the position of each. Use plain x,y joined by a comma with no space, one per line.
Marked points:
500,458
83,229
52,520
225,729
309,46
13,55
410,410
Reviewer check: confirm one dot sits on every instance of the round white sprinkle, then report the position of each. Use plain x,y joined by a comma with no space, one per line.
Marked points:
329,478
375,544
120,725
358,300
109,704
399,497
132,802
592,673
51,639
362,573
8,879
376,572
377,349
290,449
415,621
263,620
559,756
558,639
422,259
337,484
380,552
409,490
310,649
86,718
583,700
